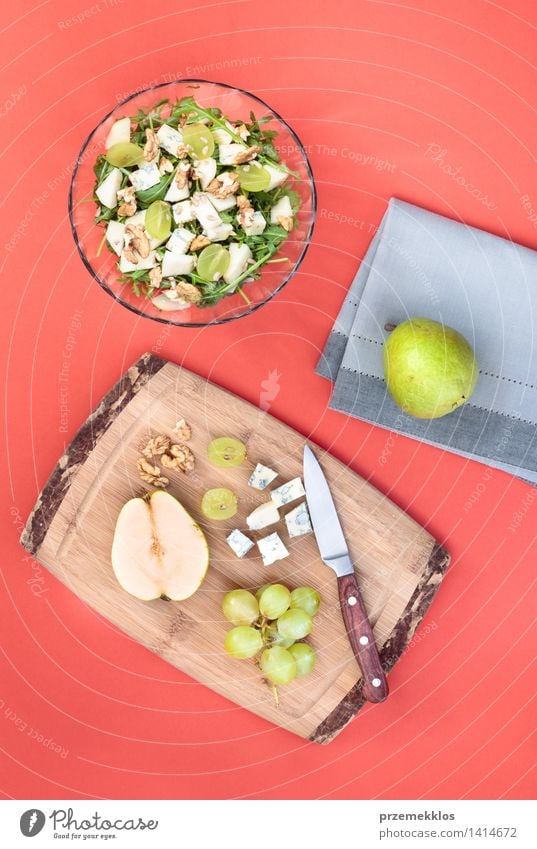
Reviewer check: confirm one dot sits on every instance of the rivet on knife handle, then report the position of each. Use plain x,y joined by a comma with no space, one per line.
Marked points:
359,631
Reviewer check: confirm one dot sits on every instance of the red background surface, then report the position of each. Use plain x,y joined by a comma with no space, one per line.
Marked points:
382,79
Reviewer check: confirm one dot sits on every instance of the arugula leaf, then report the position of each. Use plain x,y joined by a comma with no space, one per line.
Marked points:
105,214
147,196
270,151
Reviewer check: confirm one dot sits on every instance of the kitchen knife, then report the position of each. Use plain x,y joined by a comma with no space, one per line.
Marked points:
335,554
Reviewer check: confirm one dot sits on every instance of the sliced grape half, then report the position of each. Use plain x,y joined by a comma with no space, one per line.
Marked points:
226,452
158,220
198,140
124,154
213,262
253,178
219,503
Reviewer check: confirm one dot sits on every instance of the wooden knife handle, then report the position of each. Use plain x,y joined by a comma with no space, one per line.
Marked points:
360,633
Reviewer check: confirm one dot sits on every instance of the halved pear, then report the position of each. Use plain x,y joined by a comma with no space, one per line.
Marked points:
158,550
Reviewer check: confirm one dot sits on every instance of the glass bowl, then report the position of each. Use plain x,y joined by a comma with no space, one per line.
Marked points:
237,104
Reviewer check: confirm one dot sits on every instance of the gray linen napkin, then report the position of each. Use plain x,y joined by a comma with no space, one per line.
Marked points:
422,264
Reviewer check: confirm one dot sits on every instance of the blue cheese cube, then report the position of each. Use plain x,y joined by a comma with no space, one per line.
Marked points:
287,492
220,233
180,241
239,543
169,139
145,177
262,476
228,153
271,549
298,521
263,516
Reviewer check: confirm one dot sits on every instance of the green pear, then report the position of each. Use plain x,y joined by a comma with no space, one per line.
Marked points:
430,369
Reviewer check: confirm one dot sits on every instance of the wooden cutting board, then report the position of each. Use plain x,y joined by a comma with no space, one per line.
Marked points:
70,530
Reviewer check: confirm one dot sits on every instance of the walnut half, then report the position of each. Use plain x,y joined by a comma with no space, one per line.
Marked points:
224,185
184,455
199,242
183,430
128,205
188,292
245,216
157,445
151,150
151,474
136,243
248,154
286,222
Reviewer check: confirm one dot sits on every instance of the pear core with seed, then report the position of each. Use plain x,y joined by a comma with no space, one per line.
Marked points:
430,369
158,550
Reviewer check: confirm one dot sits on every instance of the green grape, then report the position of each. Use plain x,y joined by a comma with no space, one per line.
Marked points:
158,220
240,607
213,262
253,178
198,140
275,638
260,590
243,642
294,624
304,657
124,154
226,452
219,503
306,598
278,665
274,600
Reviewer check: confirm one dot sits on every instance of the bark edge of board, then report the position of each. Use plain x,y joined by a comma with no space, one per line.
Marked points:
82,444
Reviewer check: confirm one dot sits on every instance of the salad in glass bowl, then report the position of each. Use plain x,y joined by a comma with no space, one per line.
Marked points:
195,204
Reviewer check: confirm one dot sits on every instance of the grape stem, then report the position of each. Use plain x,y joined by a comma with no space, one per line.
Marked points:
101,245
244,295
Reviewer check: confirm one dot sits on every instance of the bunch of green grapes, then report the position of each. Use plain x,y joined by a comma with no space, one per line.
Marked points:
270,626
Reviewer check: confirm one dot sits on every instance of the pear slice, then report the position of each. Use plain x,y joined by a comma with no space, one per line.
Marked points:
158,550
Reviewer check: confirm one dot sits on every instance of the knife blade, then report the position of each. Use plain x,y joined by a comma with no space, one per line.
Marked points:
335,554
